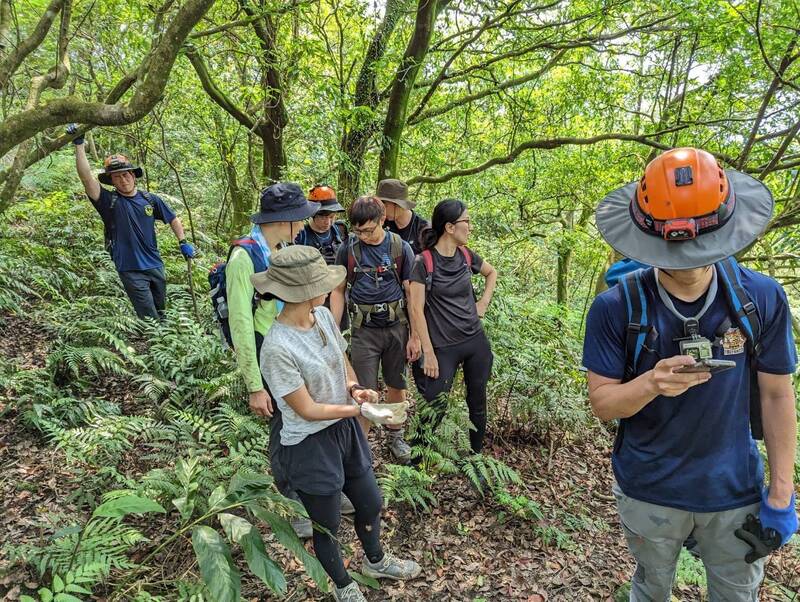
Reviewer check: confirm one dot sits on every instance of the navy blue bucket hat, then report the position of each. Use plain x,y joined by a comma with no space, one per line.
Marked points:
283,202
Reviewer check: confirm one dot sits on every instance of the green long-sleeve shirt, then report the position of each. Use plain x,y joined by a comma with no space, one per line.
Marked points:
243,322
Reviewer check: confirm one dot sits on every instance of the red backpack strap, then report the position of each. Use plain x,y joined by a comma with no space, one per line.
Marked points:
351,258
467,256
427,261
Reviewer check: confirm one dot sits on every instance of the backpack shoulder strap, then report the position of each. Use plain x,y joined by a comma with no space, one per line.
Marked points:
636,331
114,198
253,250
396,250
745,313
427,262
353,248
148,196
467,256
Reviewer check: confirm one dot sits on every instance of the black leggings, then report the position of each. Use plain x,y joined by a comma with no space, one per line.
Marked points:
326,511
476,356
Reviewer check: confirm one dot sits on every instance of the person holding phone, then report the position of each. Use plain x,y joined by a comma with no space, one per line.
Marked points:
447,318
684,459
323,451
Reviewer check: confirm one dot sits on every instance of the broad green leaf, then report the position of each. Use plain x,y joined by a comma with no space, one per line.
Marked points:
77,589
248,537
216,565
129,504
215,499
287,537
58,584
364,580
25,598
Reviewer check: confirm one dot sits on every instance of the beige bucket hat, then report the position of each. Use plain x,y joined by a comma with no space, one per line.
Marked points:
298,273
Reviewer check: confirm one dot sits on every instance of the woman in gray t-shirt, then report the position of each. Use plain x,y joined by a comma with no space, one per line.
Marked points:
323,451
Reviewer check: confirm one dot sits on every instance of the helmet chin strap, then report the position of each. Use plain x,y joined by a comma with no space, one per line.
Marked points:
669,273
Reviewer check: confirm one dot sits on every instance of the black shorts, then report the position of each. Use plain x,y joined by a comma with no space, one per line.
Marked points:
321,462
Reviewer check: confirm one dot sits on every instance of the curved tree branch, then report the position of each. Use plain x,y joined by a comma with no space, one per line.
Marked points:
155,68
548,143
511,83
11,63
213,91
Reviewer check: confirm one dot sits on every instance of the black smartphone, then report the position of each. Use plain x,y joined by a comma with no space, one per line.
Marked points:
709,365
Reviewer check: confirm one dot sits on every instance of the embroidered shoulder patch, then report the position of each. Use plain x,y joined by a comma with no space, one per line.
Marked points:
733,342
148,210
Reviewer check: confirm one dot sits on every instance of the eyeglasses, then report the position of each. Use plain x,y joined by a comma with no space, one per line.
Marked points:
365,231
466,221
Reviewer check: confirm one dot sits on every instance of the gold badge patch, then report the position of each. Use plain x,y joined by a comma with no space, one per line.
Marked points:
148,210
733,342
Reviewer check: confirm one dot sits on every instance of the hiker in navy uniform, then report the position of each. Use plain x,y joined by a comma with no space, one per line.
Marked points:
400,215
659,348
322,231
129,218
378,269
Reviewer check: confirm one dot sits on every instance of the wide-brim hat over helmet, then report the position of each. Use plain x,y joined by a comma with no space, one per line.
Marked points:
685,212
298,273
115,164
326,197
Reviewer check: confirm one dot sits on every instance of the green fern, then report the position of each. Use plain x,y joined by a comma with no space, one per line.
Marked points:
407,485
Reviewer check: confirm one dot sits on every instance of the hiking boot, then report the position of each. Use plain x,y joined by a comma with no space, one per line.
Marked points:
349,593
399,449
302,527
391,567
347,505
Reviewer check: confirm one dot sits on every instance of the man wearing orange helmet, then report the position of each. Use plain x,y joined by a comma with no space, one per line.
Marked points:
692,356
321,231
129,218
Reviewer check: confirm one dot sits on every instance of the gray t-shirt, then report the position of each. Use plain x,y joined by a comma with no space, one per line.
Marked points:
291,358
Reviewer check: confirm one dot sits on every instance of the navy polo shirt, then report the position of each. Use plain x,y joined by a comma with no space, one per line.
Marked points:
693,452
131,222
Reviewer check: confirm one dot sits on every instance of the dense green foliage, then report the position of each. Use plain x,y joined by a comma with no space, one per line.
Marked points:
529,111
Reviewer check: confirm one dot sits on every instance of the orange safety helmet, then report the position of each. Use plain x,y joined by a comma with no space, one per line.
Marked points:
322,192
684,192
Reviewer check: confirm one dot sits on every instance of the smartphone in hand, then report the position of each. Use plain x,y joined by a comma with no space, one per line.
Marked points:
707,365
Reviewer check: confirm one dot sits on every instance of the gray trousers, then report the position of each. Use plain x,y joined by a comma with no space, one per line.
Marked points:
147,290
655,535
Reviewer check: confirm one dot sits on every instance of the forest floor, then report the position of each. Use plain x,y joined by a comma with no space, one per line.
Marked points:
467,545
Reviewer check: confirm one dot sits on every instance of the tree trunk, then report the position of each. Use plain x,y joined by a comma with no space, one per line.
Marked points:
417,49
5,26
355,139
55,78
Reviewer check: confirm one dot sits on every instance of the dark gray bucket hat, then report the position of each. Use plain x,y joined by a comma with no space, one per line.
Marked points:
753,210
283,202
394,191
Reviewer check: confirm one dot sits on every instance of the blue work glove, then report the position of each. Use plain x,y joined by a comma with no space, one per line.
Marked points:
782,520
770,531
187,249
72,129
